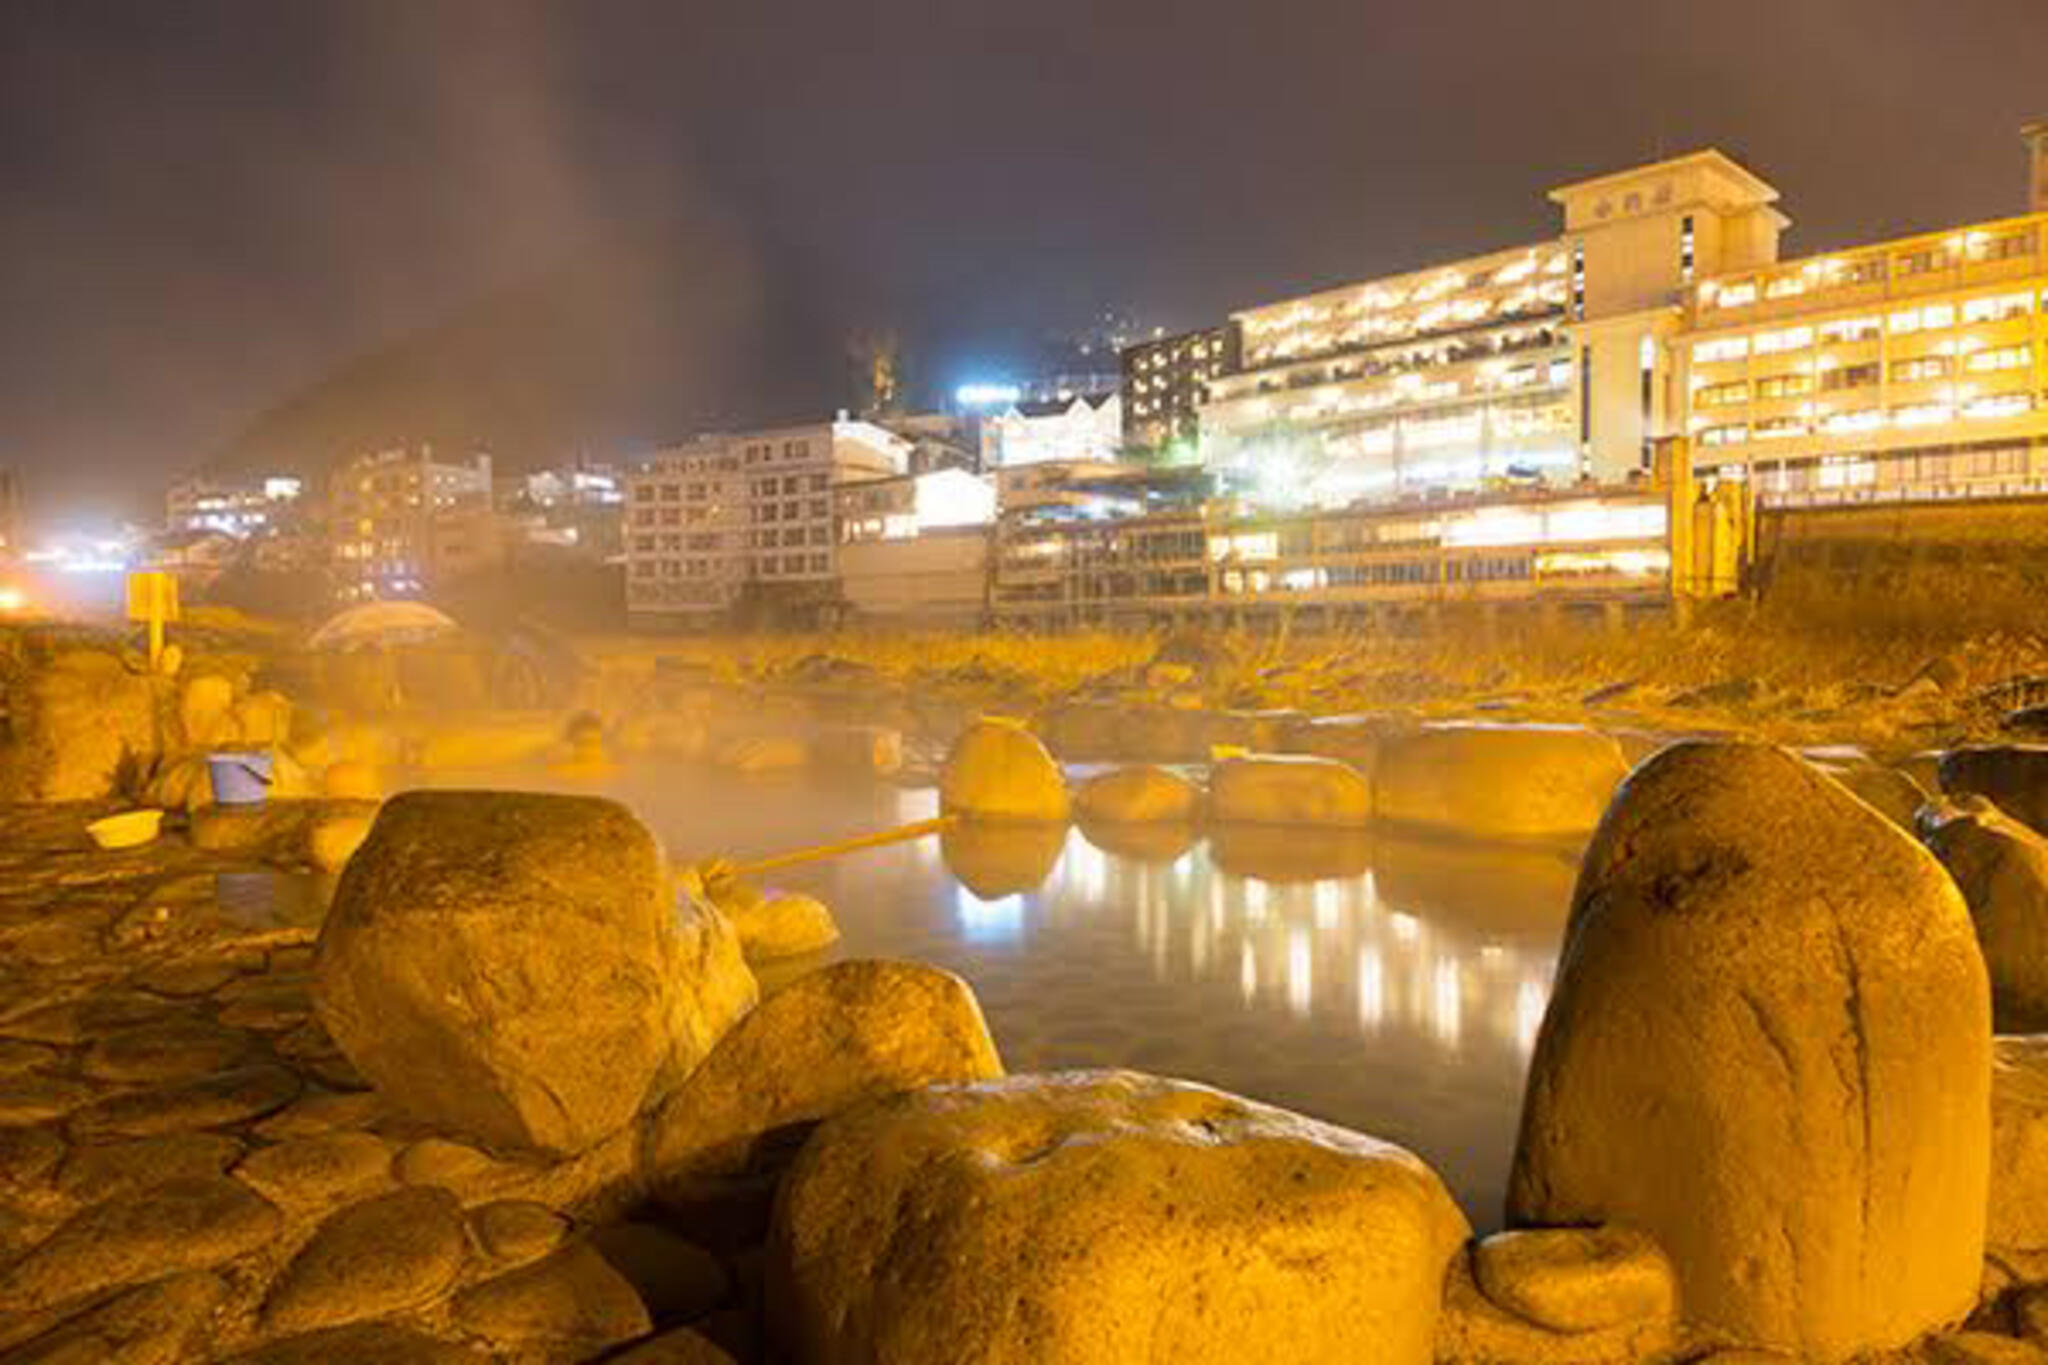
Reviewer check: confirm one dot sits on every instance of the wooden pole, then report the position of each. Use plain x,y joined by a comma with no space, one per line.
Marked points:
901,833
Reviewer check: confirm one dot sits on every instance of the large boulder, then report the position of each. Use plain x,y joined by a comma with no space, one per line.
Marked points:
1288,790
512,967
2014,777
80,728
1088,1217
2001,867
1141,795
1498,781
1768,1047
1353,739
830,1039
999,771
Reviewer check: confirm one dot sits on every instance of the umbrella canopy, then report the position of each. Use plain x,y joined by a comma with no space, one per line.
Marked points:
382,623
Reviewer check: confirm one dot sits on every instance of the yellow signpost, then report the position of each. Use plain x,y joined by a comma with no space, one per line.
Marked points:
153,597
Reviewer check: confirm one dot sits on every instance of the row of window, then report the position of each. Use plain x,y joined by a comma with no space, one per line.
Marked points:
760,564
1917,369
1985,309
1869,419
1981,248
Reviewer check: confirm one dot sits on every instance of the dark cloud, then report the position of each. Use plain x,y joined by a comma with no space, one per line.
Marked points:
595,220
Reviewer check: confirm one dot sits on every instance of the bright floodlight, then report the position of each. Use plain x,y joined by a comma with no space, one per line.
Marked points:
987,395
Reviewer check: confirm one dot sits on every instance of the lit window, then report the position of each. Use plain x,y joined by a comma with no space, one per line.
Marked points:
1790,339
1722,348
1844,330
1998,308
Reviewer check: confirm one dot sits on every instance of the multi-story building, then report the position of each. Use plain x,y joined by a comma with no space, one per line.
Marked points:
1913,368
1904,369
1078,428
10,516
1166,380
404,521
729,521
1539,364
573,507
241,507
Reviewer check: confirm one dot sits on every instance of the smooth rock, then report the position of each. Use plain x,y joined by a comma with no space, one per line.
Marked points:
186,980
786,924
1473,1330
107,1170
1498,781
1577,1279
334,841
830,1039
517,1230
367,1343
999,771
2001,867
156,1324
571,1296
2014,777
1355,740
204,706
181,1050
1890,792
321,1111
215,1101
511,967
324,1168
1104,1217
1289,789
176,1226
2019,1144
1768,1048
393,1252
78,729
1140,795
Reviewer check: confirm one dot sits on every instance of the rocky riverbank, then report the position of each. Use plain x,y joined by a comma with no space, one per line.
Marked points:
511,1091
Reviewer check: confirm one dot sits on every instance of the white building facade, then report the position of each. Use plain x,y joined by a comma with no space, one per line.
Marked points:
723,520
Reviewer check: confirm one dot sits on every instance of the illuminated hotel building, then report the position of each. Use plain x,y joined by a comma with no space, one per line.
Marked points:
1912,368
725,516
1166,379
402,522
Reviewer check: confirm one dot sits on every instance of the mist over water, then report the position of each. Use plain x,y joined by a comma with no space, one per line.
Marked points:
1393,986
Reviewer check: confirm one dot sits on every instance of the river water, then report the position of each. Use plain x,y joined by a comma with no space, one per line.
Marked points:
1393,986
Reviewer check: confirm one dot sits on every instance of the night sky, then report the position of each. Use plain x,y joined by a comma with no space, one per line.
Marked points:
251,230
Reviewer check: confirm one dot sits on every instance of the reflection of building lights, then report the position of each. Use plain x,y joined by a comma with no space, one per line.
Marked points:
1372,1000
1406,927
1300,971
1327,903
1000,921
1255,902
1445,1001
1247,971
1530,1001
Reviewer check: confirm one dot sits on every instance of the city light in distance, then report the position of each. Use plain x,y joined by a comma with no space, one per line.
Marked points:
986,395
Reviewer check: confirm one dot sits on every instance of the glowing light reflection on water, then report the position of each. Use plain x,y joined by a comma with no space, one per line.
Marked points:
1392,986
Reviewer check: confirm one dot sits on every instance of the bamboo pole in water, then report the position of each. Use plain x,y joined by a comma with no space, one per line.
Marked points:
915,830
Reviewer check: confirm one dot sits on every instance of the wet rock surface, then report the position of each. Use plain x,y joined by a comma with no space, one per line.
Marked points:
1768,1047
1139,1219
509,966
